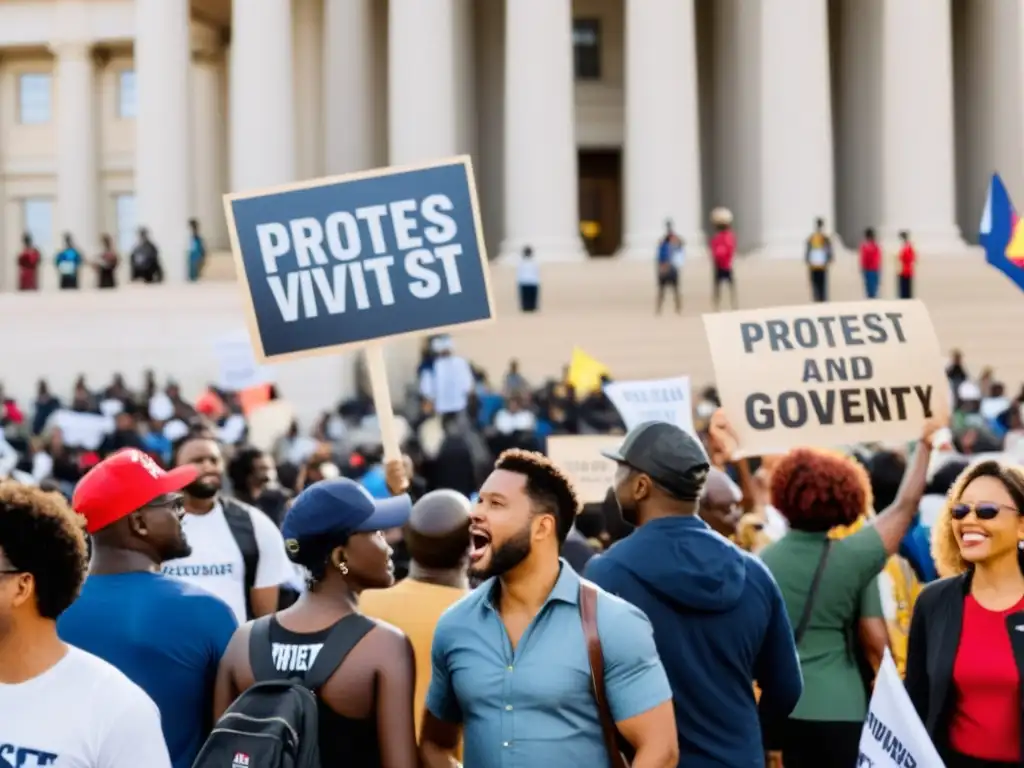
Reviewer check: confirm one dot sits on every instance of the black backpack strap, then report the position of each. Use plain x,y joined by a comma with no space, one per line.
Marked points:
261,651
343,638
244,533
805,617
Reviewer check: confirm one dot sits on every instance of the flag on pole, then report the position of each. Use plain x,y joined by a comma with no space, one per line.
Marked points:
1002,233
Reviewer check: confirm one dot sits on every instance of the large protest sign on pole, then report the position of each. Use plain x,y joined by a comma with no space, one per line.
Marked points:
352,261
893,735
653,400
827,374
580,456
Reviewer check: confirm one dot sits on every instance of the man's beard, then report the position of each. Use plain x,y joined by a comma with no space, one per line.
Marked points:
177,550
202,489
627,512
506,557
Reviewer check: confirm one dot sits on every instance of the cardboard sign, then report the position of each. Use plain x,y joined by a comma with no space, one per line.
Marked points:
343,261
827,374
236,365
893,735
653,400
580,457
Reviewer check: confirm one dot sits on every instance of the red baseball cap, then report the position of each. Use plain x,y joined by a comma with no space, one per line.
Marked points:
122,483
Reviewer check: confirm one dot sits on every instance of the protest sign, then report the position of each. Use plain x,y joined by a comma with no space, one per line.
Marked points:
580,456
827,374
236,363
336,262
653,400
893,735
350,261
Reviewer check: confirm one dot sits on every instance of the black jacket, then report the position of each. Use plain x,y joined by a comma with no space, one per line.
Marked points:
931,651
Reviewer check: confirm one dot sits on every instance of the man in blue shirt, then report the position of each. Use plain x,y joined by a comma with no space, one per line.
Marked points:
167,636
68,262
509,661
719,619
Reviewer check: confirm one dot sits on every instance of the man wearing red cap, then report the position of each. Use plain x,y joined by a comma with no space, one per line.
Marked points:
166,635
59,706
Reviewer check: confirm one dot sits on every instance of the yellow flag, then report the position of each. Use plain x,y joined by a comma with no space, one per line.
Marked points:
585,372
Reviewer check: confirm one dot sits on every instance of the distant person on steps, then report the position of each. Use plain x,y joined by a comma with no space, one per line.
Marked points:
528,280
723,251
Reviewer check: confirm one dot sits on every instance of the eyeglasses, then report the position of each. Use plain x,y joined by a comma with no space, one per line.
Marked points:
984,510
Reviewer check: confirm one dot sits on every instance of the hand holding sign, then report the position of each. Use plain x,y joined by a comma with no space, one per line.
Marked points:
827,374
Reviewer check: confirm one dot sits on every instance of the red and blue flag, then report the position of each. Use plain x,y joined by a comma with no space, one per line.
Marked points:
1002,233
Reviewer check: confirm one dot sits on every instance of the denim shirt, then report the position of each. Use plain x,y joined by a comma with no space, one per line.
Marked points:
534,706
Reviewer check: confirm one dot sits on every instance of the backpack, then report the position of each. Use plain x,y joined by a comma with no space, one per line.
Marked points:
239,519
274,724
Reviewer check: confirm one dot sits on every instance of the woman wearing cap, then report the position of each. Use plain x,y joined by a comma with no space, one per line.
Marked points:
965,655
334,530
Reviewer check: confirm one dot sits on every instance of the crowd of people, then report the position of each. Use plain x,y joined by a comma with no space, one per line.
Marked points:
734,612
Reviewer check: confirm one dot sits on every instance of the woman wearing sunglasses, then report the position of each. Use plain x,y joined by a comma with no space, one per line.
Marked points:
965,656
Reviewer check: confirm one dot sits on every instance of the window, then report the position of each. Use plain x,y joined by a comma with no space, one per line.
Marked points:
127,104
586,46
37,220
34,106
126,218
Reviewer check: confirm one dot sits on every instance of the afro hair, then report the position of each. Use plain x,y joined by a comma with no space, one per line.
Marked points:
817,490
945,550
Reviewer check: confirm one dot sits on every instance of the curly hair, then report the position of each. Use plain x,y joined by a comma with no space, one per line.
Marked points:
547,486
817,490
945,550
41,535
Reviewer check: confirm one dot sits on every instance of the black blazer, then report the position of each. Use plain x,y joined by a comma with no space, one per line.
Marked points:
931,651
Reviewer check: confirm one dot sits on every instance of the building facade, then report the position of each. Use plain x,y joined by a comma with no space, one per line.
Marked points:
590,122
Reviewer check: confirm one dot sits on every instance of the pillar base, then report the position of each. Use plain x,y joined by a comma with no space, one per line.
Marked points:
545,251
794,248
936,240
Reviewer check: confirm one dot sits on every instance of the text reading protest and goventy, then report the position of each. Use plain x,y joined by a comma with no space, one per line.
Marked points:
349,260
827,374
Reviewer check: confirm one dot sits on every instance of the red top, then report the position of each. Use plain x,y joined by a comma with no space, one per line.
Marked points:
28,266
870,256
723,248
907,259
986,716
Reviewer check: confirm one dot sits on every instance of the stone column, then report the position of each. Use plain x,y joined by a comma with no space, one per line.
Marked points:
796,161
262,100
163,160
209,156
307,46
350,96
77,209
918,158
541,177
422,121
662,147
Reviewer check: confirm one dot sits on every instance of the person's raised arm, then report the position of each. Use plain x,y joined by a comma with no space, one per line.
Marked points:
893,522
396,683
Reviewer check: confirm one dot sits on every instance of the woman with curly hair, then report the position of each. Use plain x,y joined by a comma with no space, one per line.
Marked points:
965,657
828,586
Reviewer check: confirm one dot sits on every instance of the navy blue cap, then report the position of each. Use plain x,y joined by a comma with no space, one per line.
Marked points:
341,507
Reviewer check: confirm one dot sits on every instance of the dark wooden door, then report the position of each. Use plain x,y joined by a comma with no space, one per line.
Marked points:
600,200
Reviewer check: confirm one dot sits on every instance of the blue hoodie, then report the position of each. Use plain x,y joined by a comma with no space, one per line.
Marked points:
719,624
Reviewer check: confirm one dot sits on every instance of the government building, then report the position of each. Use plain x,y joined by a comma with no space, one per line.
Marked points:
590,122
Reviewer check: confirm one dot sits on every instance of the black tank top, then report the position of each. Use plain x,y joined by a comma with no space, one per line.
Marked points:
343,741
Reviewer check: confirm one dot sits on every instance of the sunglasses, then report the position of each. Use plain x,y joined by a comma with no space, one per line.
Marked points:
984,510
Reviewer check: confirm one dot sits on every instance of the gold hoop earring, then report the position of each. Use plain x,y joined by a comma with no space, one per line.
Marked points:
343,568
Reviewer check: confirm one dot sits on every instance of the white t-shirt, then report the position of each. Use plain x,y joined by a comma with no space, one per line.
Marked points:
216,562
448,384
80,713
528,272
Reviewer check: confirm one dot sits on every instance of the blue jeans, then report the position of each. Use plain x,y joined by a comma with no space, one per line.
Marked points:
871,283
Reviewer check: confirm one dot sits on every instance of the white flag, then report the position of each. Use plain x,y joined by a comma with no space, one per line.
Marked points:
893,735
653,400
